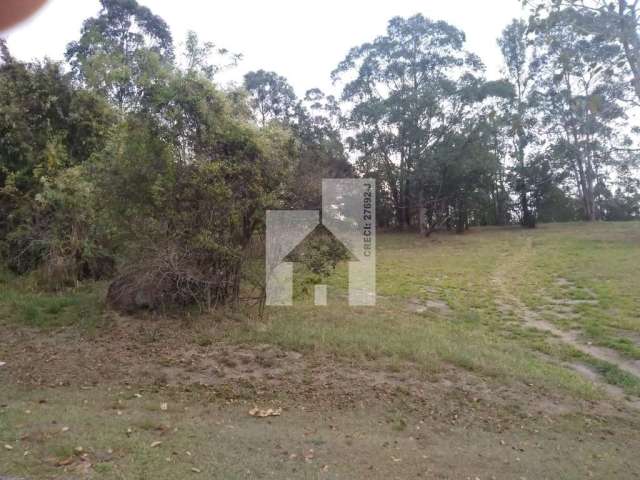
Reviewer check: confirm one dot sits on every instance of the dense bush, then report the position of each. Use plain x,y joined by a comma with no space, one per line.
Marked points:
184,195
48,129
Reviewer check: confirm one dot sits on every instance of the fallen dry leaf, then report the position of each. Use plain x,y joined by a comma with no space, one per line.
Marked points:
64,462
269,412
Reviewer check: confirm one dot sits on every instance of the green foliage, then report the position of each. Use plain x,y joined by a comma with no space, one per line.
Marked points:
417,104
320,253
121,52
50,128
613,25
316,150
582,90
197,57
45,124
270,96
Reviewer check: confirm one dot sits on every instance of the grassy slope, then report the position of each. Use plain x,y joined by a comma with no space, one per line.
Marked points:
603,259
473,332
466,327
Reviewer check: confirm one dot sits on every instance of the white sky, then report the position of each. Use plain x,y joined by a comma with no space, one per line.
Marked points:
301,40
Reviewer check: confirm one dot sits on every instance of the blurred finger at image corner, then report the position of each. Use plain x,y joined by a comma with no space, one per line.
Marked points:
13,12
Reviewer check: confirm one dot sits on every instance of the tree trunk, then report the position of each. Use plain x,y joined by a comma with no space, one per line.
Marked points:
498,206
585,170
422,214
461,223
407,206
585,177
402,210
527,218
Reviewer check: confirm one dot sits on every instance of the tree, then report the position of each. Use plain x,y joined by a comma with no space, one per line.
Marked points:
121,52
519,115
464,164
580,103
185,189
411,89
614,21
320,152
317,150
47,127
197,57
270,96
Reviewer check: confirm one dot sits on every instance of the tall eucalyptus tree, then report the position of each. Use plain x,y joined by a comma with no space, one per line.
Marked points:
409,89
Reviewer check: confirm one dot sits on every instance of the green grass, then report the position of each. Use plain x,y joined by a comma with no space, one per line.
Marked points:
600,262
553,263
431,343
21,302
617,377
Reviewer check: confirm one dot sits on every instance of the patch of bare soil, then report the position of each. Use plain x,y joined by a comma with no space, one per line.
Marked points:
429,301
416,305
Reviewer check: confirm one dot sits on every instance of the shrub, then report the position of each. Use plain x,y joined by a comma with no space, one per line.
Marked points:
176,277
59,235
184,198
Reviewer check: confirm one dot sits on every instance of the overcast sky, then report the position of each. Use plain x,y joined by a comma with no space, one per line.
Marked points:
302,40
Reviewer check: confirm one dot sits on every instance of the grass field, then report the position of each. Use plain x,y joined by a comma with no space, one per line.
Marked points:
503,353
461,300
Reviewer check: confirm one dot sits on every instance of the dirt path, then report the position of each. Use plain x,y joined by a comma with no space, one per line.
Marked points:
507,302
